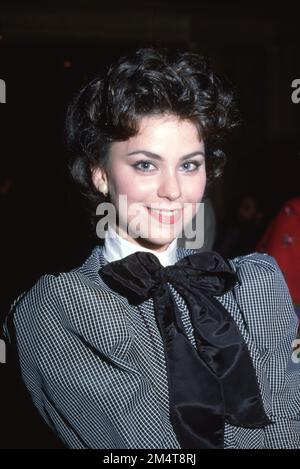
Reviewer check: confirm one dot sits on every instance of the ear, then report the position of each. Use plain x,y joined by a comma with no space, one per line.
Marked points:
99,177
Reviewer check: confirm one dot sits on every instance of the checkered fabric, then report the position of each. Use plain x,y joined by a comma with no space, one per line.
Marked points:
95,369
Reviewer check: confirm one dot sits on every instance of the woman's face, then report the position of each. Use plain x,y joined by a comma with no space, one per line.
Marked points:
160,169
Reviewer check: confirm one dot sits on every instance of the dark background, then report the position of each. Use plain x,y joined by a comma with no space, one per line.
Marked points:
47,50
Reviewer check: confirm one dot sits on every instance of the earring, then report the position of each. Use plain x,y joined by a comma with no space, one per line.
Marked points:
103,189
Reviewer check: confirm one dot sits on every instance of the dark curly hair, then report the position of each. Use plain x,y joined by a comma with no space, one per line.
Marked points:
149,82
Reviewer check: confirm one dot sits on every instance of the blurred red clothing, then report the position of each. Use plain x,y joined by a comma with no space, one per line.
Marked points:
282,241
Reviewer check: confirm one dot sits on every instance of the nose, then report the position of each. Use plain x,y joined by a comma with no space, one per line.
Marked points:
169,187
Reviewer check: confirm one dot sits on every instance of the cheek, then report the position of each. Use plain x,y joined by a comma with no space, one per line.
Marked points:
135,190
195,189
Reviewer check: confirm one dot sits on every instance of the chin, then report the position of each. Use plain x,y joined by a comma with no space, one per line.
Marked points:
156,244
160,235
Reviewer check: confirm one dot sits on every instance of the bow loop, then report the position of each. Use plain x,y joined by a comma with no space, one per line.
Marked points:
209,272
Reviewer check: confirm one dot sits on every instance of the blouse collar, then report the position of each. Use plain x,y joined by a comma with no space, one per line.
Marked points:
116,248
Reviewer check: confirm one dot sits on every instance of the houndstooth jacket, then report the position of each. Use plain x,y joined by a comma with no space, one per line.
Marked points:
94,364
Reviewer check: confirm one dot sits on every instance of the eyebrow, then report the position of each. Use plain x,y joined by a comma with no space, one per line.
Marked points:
158,157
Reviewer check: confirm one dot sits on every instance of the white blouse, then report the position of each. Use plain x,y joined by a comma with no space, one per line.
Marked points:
116,248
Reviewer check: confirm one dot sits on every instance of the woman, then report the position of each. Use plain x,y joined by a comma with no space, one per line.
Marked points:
147,345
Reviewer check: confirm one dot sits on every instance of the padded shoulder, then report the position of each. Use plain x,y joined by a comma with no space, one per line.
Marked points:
263,297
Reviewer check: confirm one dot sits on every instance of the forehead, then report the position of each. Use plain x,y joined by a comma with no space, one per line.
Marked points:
165,135
166,123
167,131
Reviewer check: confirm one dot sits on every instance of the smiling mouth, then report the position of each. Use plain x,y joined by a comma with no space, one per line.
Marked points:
165,216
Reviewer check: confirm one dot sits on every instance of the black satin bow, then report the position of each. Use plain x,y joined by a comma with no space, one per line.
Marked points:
215,382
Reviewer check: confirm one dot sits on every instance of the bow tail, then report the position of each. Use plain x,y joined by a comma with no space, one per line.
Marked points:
220,343
195,395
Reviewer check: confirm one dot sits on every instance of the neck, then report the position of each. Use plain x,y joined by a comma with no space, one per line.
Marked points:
117,247
140,242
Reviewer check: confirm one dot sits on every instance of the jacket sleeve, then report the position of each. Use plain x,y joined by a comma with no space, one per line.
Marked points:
66,363
30,320
271,326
